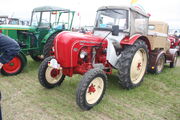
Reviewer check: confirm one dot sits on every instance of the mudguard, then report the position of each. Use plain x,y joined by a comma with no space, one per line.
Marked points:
131,40
48,35
153,59
170,54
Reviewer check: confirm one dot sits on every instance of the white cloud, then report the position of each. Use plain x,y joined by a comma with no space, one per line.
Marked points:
159,9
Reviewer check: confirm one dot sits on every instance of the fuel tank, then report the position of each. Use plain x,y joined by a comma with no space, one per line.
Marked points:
67,46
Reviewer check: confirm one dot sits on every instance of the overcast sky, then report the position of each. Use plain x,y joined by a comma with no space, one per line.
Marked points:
163,10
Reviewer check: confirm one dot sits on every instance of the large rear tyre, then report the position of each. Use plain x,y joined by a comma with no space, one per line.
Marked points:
15,66
50,77
48,51
132,64
174,62
35,53
91,89
159,65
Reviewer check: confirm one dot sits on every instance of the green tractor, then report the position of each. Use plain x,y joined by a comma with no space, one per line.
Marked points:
36,40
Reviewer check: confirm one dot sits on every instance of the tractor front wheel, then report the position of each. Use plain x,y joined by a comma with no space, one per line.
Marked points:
15,66
91,89
50,77
132,64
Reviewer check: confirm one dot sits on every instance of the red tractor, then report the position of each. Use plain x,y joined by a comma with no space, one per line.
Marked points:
175,42
119,41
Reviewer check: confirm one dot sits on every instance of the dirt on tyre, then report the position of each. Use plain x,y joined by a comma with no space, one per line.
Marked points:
91,89
15,66
50,77
174,62
47,51
132,64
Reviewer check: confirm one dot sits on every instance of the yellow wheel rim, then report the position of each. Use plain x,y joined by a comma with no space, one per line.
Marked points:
138,66
94,90
53,75
160,64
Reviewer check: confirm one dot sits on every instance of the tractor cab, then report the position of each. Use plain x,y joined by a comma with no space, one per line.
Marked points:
3,20
129,19
51,18
128,23
9,21
37,39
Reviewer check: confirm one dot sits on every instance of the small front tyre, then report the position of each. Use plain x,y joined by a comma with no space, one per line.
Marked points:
50,77
91,89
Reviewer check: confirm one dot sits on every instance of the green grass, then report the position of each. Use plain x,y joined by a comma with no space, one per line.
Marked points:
24,98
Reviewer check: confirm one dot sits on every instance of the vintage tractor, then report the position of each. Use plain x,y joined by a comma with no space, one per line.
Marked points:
36,40
160,45
119,41
175,42
3,19
9,21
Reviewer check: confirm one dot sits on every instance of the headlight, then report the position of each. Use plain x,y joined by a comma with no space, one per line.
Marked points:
83,54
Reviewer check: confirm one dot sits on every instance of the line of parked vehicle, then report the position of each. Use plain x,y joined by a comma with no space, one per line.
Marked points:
123,39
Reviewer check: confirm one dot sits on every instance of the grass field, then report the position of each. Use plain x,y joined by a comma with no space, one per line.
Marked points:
158,98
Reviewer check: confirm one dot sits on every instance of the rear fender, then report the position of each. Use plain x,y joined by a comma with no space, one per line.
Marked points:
48,35
170,54
131,40
153,58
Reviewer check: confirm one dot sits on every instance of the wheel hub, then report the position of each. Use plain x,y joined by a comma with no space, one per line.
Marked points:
91,89
139,66
55,73
13,66
94,90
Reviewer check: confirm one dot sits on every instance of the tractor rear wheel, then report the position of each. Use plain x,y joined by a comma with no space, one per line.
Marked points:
132,64
35,53
174,62
37,58
50,77
47,51
91,89
15,66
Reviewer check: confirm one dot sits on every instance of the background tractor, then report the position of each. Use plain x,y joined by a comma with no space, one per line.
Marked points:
175,42
10,21
160,45
119,41
36,40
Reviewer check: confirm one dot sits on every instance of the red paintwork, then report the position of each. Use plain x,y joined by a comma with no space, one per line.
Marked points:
68,45
91,89
13,66
131,40
54,72
139,66
174,41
